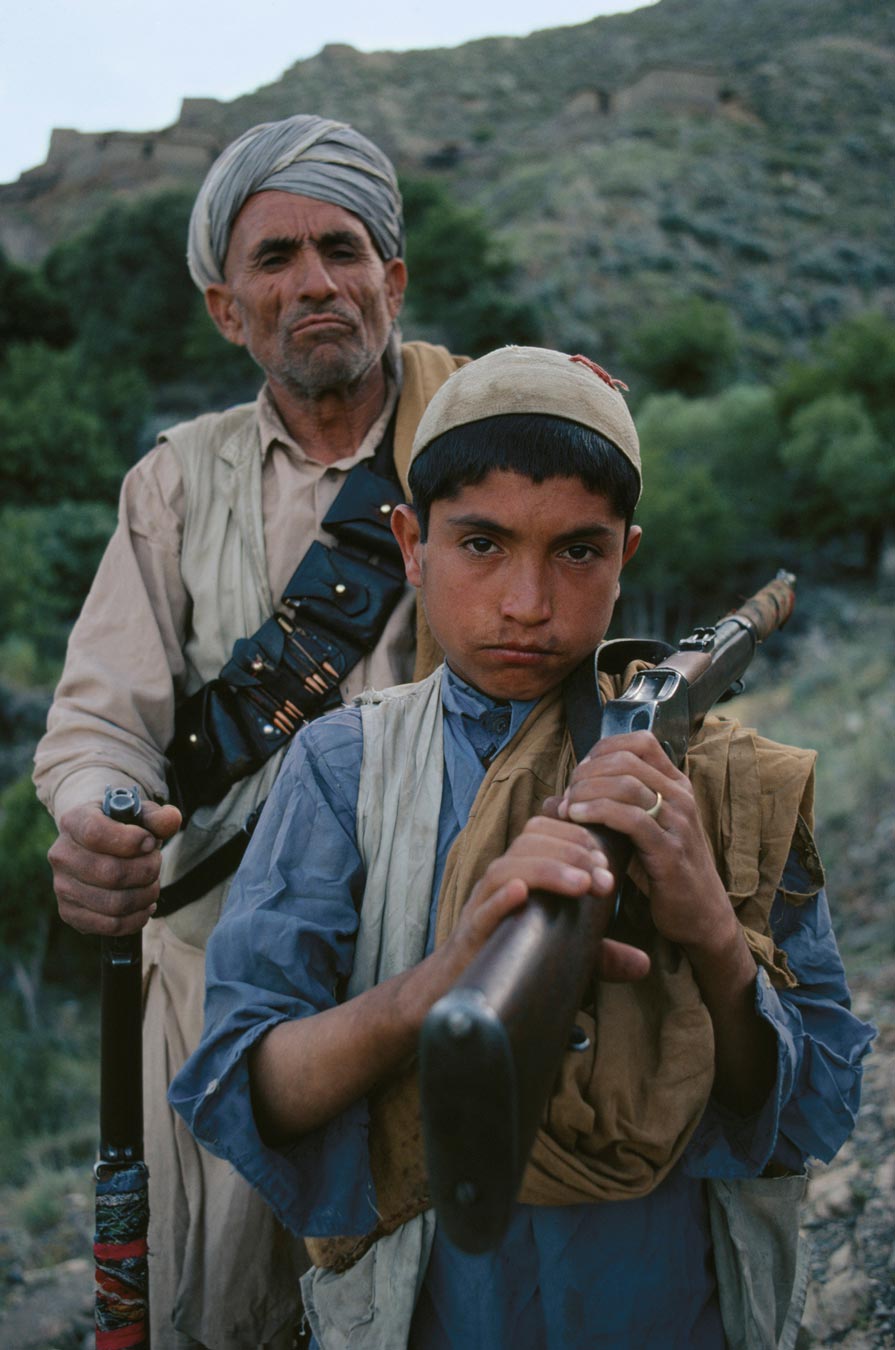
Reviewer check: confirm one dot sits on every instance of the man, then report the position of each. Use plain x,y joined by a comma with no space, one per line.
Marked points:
396,840
296,241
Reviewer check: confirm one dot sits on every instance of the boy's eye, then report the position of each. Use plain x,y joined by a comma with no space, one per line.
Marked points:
580,552
479,545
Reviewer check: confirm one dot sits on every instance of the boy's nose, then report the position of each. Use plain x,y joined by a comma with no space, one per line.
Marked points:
526,599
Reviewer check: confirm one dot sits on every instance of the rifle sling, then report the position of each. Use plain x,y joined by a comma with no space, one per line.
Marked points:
581,694
214,869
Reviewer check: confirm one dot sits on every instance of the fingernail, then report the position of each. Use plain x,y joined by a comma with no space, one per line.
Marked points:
148,845
603,878
153,908
578,811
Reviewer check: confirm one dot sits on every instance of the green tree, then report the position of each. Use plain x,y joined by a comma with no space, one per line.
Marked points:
843,473
839,414
125,282
855,357
29,312
688,530
67,431
689,348
462,283
715,494
48,556
27,903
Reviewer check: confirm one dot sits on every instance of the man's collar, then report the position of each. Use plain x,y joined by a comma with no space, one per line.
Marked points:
273,431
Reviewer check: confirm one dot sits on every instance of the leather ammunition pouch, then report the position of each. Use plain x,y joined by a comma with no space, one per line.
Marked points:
331,614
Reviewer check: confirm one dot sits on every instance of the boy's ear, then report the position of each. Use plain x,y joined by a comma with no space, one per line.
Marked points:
406,529
632,544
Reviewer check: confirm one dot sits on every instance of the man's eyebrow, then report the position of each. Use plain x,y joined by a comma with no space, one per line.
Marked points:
588,529
276,243
331,237
289,243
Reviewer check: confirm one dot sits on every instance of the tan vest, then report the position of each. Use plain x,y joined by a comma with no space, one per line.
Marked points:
224,567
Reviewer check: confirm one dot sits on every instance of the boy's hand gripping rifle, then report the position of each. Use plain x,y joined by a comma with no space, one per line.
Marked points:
490,1049
122,1190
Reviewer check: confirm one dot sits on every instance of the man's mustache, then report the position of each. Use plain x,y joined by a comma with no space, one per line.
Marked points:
314,311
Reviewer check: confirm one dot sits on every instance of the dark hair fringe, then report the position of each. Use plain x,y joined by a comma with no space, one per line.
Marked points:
536,445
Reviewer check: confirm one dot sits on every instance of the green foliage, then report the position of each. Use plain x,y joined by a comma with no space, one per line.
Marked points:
29,312
839,410
48,1084
712,494
125,282
856,357
461,281
20,665
689,348
843,473
48,555
26,892
66,431
41,1204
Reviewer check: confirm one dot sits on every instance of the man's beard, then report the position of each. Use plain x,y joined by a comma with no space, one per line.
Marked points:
321,368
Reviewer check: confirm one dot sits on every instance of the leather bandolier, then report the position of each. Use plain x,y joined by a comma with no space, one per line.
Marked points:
331,614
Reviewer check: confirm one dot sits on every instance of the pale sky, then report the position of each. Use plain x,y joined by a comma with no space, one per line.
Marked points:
125,65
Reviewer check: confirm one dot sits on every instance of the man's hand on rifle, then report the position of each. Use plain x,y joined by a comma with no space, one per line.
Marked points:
105,874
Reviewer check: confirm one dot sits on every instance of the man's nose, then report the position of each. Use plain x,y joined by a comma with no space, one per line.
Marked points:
526,597
315,281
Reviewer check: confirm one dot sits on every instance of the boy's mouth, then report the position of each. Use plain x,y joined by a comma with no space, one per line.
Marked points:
521,655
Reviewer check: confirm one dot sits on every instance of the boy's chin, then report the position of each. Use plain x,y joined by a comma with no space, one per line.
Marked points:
519,686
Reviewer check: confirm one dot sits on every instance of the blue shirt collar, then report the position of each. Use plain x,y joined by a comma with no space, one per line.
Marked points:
487,723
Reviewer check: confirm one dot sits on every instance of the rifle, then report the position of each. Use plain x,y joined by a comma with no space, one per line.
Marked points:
122,1194
490,1048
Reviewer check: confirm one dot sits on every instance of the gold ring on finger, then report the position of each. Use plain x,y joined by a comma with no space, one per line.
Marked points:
656,807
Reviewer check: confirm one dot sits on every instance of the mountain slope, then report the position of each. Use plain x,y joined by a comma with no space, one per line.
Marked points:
742,151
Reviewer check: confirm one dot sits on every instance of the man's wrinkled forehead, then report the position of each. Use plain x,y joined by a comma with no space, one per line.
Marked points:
272,222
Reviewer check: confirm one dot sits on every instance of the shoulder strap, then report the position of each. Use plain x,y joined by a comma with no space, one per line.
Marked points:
333,611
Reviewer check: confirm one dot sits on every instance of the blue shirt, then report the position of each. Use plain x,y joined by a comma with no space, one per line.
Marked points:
636,1272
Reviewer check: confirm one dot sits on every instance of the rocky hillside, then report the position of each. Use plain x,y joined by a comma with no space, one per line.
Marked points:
740,151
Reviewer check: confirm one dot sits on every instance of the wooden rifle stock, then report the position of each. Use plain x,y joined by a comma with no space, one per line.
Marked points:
490,1049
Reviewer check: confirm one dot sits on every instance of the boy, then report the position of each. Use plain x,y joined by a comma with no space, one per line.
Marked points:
392,847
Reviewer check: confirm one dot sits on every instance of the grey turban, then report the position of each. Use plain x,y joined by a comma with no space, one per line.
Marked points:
310,156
